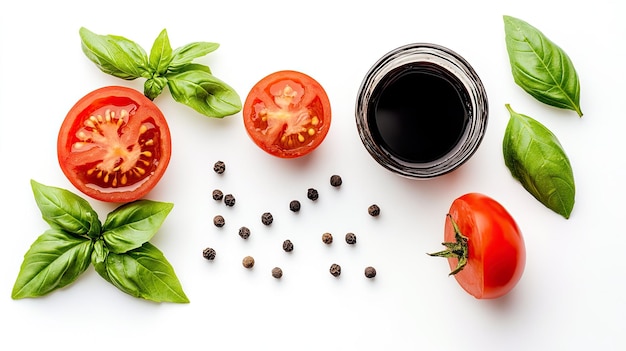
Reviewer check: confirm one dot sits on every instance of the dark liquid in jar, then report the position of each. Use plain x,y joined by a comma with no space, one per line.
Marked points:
418,112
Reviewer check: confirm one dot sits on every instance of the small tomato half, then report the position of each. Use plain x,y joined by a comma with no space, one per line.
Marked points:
114,144
287,114
484,246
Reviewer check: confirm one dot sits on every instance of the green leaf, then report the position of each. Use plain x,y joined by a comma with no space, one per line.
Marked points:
204,93
131,225
154,86
161,54
115,55
53,261
66,211
535,157
145,273
186,54
98,259
541,67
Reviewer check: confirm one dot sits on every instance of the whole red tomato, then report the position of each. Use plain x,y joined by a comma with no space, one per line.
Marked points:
484,246
114,144
287,114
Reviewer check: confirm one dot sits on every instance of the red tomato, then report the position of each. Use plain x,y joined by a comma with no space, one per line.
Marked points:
486,250
287,114
114,144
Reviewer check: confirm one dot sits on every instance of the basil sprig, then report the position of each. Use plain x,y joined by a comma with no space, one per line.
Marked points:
119,249
541,67
190,83
536,158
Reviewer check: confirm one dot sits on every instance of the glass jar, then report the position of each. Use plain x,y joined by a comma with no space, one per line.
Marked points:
421,110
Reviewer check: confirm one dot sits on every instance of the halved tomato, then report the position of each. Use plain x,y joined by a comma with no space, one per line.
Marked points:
287,114
114,144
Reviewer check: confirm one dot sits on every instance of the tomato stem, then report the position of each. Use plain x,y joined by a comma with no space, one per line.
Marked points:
457,249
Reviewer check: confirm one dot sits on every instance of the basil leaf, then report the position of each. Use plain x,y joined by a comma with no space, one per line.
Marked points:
53,261
98,259
145,273
131,225
154,86
66,211
541,67
161,54
115,55
203,92
185,54
535,157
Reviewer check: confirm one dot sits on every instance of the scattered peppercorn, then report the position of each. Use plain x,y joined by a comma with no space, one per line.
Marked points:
218,195
327,238
335,180
209,253
244,232
219,167
229,200
370,272
335,270
312,194
287,245
277,272
267,218
351,238
373,210
248,262
219,221
294,206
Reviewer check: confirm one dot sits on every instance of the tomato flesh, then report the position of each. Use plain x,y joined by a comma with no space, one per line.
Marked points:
496,249
114,145
287,114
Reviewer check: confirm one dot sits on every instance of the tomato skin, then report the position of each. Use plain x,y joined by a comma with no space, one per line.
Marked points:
287,114
496,249
114,145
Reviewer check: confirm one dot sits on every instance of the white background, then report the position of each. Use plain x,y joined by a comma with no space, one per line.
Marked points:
571,295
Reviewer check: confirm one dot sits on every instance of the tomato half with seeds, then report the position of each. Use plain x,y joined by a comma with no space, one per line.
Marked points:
114,144
287,114
484,246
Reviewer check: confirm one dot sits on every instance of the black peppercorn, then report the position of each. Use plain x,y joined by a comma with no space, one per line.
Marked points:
248,262
335,180
373,210
267,218
229,200
370,272
335,270
218,195
277,272
312,194
244,232
287,245
219,221
294,206
219,167
351,238
327,238
209,253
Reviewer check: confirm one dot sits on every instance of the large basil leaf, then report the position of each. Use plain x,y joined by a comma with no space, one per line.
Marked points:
145,273
115,55
203,92
131,225
53,261
186,54
540,66
161,53
64,210
535,157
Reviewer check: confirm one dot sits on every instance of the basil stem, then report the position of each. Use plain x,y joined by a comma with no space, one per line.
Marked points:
536,158
541,67
190,83
118,249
